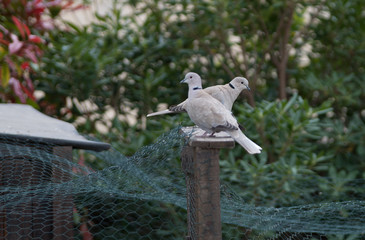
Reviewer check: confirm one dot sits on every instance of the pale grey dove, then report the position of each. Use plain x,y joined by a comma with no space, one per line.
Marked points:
226,94
211,115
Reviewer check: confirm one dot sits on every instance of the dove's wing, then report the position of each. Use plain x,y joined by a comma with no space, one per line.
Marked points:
218,93
210,115
226,94
223,93
206,111
178,108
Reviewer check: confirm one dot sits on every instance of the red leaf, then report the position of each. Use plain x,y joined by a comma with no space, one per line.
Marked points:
31,54
16,45
19,25
35,8
26,29
4,42
17,88
80,6
25,65
37,11
11,64
26,91
29,83
6,3
69,3
35,39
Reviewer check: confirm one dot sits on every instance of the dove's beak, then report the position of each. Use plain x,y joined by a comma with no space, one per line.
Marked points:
248,88
182,81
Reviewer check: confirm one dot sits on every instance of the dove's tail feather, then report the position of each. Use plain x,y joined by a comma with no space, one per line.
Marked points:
160,113
245,142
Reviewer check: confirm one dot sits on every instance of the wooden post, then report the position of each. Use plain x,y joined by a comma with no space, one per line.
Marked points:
62,202
36,150
200,163
37,216
15,172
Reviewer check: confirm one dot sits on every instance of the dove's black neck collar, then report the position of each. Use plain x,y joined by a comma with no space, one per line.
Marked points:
230,84
197,88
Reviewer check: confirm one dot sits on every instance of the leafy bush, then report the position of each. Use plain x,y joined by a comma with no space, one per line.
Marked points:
23,25
121,67
114,71
301,145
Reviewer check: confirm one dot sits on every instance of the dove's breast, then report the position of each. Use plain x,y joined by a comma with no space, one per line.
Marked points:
206,112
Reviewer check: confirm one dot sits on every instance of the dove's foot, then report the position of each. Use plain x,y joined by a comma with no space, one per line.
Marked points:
204,135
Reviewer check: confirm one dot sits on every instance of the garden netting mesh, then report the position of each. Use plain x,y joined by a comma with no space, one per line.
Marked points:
46,193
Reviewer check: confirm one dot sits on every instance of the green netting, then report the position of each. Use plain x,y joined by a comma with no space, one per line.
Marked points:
47,194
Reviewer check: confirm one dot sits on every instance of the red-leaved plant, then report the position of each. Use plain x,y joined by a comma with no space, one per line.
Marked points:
22,25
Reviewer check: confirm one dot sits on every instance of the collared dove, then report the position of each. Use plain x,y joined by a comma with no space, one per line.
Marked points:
226,94
211,115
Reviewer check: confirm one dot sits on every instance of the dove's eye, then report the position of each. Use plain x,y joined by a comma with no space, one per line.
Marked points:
241,82
191,76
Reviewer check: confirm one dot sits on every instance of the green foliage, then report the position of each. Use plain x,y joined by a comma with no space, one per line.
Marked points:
133,61
127,63
149,56
337,38
301,144
344,90
290,133
121,68
111,73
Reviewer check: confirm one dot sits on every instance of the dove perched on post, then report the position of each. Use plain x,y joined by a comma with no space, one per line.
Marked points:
211,115
226,94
